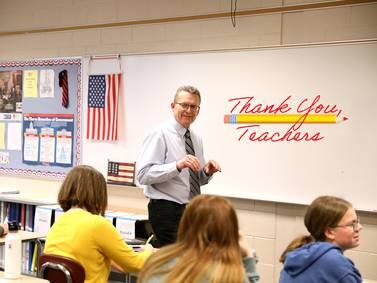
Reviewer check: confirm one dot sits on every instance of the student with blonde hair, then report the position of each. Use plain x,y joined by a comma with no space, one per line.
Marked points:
209,248
82,233
334,227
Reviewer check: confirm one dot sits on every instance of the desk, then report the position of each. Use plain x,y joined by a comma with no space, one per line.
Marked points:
26,236
22,279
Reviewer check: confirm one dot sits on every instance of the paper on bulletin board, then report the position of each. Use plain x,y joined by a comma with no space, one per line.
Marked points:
4,157
64,147
47,146
30,83
14,136
2,136
31,143
48,139
46,83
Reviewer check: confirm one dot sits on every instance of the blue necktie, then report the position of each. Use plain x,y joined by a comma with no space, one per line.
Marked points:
194,176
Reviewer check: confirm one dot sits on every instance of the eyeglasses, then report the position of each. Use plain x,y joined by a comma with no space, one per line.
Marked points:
186,106
354,224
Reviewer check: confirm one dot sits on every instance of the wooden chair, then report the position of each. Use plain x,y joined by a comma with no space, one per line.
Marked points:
60,269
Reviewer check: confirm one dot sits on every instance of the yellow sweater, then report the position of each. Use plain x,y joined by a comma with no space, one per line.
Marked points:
94,242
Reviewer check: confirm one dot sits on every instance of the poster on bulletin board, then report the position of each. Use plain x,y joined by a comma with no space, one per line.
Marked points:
40,117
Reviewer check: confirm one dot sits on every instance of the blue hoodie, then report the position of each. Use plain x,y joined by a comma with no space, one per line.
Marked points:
318,262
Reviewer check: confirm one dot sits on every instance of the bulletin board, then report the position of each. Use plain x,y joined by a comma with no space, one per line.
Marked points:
40,117
282,162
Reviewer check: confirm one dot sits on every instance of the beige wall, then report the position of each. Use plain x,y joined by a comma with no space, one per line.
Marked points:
269,226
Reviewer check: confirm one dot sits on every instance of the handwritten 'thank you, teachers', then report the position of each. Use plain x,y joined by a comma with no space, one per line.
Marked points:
252,114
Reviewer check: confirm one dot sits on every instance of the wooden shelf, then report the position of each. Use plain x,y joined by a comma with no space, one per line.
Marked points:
28,199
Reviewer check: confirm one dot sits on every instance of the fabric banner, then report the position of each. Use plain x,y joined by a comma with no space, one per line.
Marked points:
121,173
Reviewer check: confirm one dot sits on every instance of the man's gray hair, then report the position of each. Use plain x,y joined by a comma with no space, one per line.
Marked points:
190,89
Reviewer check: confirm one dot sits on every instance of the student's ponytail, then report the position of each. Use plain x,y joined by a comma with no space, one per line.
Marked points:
296,243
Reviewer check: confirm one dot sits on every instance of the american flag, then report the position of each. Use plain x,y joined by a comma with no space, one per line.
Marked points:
103,98
121,173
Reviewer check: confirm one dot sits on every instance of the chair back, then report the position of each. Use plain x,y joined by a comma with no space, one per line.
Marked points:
60,269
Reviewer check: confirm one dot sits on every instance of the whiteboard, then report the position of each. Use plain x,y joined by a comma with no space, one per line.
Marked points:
331,77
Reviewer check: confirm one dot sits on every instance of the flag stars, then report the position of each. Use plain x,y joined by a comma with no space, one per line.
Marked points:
97,90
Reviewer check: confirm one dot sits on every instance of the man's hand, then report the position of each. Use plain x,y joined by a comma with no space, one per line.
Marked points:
189,161
211,167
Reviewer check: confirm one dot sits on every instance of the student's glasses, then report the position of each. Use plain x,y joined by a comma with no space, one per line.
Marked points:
354,224
186,106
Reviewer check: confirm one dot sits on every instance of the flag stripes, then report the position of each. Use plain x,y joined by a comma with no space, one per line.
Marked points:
121,173
103,99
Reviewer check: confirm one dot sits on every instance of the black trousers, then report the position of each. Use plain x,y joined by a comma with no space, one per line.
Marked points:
164,215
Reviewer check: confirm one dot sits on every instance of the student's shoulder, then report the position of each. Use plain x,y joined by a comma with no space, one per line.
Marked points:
333,254
335,257
93,221
99,219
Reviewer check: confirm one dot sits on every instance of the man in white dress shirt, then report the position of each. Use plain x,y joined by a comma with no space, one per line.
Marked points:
172,165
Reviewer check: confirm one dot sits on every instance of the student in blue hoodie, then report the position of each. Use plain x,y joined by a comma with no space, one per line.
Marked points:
334,227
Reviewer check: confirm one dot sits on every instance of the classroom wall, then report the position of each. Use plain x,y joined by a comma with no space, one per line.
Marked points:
269,226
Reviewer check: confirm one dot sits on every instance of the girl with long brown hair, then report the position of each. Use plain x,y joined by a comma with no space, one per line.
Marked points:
209,248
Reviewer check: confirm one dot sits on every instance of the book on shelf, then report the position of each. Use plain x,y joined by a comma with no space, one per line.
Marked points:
23,214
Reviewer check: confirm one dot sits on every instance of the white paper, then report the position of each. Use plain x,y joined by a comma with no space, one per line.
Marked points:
14,136
46,83
47,145
10,117
126,227
31,144
4,157
64,147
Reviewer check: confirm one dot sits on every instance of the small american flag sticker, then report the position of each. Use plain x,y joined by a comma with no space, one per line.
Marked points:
121,173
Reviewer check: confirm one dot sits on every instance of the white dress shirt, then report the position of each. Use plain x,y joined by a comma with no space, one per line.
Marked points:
157,166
